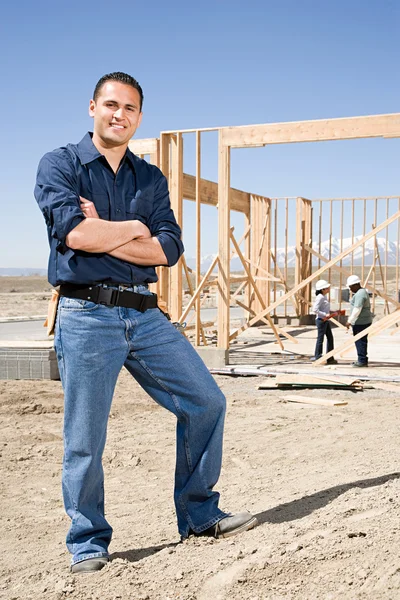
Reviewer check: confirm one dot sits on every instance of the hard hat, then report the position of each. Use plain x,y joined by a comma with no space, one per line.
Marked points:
352,280
322,284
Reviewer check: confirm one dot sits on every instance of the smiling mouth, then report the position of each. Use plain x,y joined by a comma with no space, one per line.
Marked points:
116,126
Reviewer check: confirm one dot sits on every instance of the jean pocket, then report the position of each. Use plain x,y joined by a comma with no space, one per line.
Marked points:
77,304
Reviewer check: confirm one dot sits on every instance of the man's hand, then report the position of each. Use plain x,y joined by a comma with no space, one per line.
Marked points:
88,208
348,325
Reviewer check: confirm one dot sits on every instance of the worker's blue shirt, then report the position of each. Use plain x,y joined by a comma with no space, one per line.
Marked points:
138,191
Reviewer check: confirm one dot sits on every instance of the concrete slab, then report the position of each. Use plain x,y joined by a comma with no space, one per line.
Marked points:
212,357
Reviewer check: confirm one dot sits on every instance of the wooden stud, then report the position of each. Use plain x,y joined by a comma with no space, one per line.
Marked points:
163,288
341,248
198,236
352,241
223,244
363,246
176,193
286,249
247,254
397,263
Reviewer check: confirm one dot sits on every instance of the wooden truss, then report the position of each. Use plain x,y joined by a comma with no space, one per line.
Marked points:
258,256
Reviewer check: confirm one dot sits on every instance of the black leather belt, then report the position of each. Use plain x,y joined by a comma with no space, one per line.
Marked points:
109,296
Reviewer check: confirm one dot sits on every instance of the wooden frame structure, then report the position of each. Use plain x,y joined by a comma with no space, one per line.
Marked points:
263,275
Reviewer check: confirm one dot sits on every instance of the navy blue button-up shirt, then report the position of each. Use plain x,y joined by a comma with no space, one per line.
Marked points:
138,191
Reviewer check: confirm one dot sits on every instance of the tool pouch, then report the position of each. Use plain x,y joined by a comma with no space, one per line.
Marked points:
50,322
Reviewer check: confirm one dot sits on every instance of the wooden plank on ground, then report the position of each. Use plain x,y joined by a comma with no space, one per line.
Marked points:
297,379
310,400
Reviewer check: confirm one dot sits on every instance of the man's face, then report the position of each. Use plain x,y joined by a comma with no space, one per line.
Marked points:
354,288
116,114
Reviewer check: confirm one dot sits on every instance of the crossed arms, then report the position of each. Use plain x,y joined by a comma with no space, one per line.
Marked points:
73,222
128,240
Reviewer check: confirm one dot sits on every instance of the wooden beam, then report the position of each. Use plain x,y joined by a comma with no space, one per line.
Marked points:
312,131
144,146
240,201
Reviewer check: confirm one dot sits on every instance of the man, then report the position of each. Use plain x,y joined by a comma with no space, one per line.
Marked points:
109,224
360,318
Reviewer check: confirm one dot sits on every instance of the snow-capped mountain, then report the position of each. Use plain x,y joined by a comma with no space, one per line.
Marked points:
387,255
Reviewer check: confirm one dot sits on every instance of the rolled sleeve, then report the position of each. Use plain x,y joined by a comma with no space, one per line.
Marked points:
172,247
162,222
57,196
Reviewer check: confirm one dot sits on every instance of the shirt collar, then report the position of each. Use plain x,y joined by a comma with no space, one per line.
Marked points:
88,152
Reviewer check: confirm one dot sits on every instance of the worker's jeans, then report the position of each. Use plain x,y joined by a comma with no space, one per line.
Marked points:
93,342
324,329
362,343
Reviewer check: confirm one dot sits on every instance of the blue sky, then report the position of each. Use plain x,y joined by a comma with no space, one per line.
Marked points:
207,64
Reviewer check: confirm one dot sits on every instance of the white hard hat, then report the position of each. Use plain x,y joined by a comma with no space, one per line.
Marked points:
352,280
322,284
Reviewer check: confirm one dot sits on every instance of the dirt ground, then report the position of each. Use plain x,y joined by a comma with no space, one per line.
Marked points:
24,296
324,483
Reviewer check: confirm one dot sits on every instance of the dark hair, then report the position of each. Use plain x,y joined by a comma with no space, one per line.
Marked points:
318,292
121,78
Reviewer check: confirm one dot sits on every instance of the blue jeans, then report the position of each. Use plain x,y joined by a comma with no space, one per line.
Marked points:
323,329
93,342
361,344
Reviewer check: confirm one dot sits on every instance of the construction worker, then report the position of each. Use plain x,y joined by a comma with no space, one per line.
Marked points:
323,313
360,318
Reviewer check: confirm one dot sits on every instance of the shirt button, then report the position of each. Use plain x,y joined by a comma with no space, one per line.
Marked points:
118,211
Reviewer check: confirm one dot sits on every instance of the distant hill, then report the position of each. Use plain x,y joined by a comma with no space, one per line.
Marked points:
16,272
388,254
